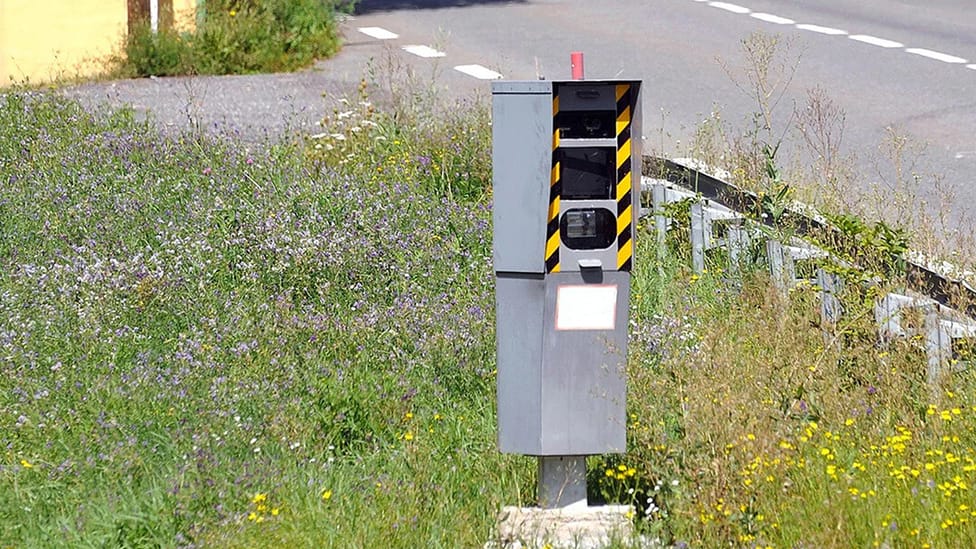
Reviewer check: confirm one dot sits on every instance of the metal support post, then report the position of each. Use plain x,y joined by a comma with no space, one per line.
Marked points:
562,481
777,264
938,343
698,237
887,314
738,242
830,307
659,198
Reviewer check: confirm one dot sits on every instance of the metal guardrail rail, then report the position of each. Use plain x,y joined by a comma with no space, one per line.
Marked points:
923,278
946,303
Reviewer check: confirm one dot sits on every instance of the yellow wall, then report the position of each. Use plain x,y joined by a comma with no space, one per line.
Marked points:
185,14
43,40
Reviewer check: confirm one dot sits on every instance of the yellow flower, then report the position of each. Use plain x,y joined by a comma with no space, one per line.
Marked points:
274,512
327,495
252,516
259,497
26,464
408,435
233,13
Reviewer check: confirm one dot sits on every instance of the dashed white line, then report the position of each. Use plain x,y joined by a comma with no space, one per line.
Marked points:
734,8
830,31
875,41
821,30
378,32
770,18
477,71
938,56
423,51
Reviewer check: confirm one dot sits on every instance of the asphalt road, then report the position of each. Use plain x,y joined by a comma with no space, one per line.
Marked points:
890,65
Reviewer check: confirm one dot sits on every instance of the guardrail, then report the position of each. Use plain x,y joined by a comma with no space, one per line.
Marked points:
724,215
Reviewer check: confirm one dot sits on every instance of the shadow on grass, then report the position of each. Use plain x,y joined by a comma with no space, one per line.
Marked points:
369,6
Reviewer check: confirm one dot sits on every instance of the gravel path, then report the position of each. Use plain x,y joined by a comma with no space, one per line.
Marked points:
254,106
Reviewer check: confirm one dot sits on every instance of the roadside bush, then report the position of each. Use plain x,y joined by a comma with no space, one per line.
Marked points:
235,37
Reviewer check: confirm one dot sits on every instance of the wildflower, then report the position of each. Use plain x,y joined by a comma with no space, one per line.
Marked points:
408,436
327,495
26,464
233,13
259,498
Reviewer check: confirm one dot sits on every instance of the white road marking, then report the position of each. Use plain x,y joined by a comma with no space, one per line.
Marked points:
378,32
830,31
821,30
477,71
770,18
875,41
423,51
734,8
938,56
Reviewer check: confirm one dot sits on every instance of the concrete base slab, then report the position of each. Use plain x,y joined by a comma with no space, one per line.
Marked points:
571,527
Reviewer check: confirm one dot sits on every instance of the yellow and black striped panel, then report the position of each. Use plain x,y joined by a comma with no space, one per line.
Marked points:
555,190
625,237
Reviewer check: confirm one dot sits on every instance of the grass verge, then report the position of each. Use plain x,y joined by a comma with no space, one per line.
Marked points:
202,345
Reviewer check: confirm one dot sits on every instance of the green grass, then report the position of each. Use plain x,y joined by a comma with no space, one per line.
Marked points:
185,325
205,346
